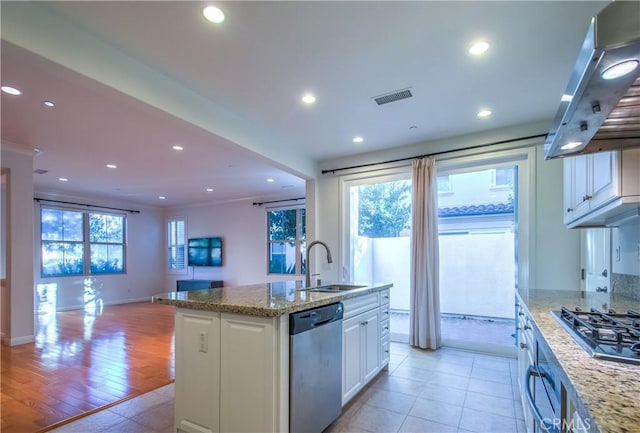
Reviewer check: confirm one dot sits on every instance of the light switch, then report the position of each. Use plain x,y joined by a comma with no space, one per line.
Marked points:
203,342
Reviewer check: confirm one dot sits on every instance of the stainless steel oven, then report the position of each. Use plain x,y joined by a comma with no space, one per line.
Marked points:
542,388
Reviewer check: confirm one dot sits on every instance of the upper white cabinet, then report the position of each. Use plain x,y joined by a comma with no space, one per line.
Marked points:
601,188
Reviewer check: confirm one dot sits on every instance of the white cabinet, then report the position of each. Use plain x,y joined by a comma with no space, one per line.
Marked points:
352,357
363,346
197,385
371,344
384,328
525,357
600,186
231,372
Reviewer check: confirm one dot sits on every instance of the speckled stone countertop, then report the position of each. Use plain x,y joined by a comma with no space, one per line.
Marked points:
609,390
267,300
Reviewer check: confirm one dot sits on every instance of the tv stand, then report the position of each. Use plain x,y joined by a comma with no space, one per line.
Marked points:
182,285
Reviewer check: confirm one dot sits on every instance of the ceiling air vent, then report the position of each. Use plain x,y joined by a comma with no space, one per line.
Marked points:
396,95
40,171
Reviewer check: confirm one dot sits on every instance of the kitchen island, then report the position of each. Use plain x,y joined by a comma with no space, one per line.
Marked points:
606,393
232,351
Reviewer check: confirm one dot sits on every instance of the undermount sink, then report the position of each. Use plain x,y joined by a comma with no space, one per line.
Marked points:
336,288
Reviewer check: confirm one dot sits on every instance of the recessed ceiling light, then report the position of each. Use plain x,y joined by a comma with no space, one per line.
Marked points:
566,98
49,104
112,166
571,145
270,180
619,69
308,98
484,113
178,148
11,90
63,179
213,14
209,189
161,197
358,139
479,48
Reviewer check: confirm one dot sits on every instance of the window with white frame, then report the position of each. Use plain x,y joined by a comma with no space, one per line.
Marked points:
286,233
75,242
176,262
502,177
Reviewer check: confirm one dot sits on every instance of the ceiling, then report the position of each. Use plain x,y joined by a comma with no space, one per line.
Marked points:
231,93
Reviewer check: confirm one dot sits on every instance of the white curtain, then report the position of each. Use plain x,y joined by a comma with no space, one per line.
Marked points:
424,315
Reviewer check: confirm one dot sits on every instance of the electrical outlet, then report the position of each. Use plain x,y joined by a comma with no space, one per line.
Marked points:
203,342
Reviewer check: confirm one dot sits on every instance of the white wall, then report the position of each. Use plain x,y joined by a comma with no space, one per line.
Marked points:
242,227
145,261
557,249
18,326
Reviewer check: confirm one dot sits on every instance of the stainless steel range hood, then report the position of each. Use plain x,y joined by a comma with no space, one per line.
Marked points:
597,111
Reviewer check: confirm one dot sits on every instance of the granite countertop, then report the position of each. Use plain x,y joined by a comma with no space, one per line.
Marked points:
608,390
267,299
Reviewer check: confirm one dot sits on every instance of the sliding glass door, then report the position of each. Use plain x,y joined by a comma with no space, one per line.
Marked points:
483,240
377,242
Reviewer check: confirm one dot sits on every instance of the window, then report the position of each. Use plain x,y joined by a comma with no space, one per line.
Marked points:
286,245
81,243
175,244
444,184
502,177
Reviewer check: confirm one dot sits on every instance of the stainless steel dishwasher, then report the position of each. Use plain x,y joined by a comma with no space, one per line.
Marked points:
315,365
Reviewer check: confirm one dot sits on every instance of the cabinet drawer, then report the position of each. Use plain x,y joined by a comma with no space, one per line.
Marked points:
384,296
384,327
355,306
384,312
384,351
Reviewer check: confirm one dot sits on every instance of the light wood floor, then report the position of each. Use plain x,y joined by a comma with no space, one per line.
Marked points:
82,361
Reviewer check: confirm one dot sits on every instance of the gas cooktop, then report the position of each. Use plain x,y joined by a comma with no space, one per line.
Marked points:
611,335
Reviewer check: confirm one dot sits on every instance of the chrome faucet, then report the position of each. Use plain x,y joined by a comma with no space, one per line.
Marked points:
308,270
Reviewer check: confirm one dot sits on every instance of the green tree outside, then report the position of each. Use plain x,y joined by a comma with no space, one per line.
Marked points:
384,209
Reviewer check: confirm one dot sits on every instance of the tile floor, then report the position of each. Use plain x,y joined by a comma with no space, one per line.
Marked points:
423,391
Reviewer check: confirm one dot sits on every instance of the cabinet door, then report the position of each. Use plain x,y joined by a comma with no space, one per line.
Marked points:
197,382
351,357
581,190
371,340
568,182
603,183
249,379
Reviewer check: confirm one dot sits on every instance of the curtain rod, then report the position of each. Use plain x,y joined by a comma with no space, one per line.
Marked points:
333,170
85,205
276,201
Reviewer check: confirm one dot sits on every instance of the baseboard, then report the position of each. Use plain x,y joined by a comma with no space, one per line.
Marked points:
19,340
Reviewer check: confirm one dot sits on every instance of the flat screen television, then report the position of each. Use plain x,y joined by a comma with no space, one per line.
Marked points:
204,252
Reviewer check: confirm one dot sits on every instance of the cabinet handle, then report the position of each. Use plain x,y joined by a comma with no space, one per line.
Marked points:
521,313
523,346
386,351
544,423
527,327
587,197
569,210
386,328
